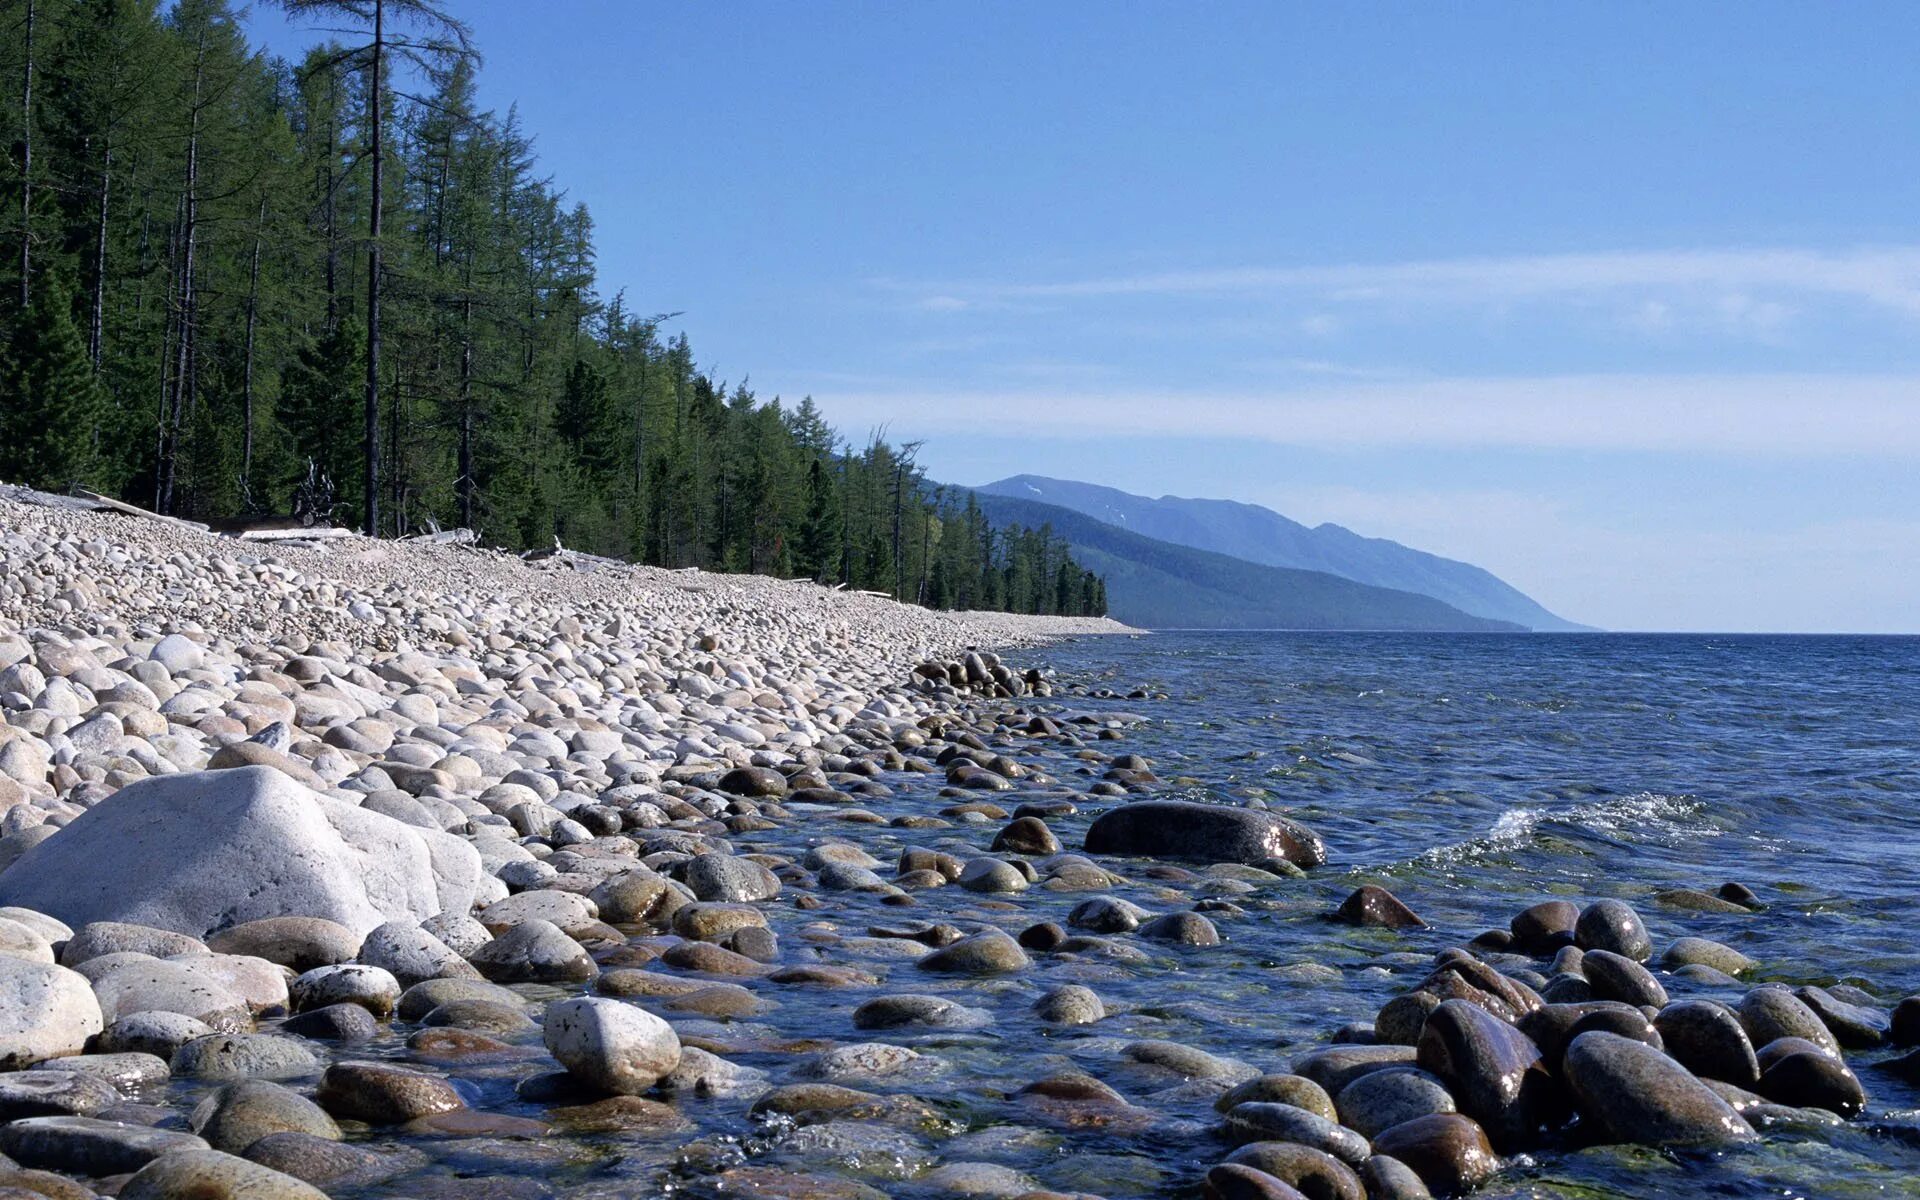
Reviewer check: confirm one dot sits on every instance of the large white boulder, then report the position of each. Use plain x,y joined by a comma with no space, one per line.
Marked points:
199,852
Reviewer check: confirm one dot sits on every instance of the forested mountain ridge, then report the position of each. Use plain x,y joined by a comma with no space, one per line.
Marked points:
240,285
1163,585
1260,535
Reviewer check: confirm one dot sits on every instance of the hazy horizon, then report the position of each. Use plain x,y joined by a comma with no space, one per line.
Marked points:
1617,304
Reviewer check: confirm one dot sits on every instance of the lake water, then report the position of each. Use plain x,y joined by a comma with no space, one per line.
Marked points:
1474,775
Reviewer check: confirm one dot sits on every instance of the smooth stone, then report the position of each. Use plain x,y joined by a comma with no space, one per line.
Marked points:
1070,1004
372,988
89,1146
1449,1152
201,851
1640,1095
322,1162
1854,1026
1612,925
1390,1179
46,1011
1312,1172
535,952
1026,835
1769,1013
1617,977
1700,952
422,998
157,1033
299,943
1237,1181
1494,1071
1266,1121
383,1093
1180,829
333,1023
1373,1104
412,955
54,1094
1708,1039
1334,1068
893,1012
1374,907
245,1056
240,1114
612,1046
211,1175
1182,928
1813,1079
987,953
1296,1090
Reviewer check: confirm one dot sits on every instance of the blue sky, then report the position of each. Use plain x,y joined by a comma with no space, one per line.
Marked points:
1621,302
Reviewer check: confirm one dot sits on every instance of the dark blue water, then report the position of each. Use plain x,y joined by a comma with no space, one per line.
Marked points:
1474,775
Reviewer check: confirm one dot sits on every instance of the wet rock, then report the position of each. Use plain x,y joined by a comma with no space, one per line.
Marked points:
240,1114
53,1094
325,1163
1026,835
713,921
1296,1090
1313,1173
1449,1152
422,998
371,988
1070,1004
621,1114
1854,1026
1617,977
1390,1179
1183,929
1813,1078
384,1094
1708,1039
211,1175
483,1016
535,952
992,875
988,953
1770,1012
976,1179
1107,914
1187,1062
1180,829
412,955
1697,951
88,1146
299,943
723,877
1640,1095
1266,1121
158,1033
611,1046
1612,925
349,1023
245,1056
1237,1181
1333,1069
1373,1104
1375,907
1493,1070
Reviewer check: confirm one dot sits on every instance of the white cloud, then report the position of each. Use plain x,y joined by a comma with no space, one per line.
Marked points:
1749,415
1886,276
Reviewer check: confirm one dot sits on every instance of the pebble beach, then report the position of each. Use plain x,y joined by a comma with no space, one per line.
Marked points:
357,868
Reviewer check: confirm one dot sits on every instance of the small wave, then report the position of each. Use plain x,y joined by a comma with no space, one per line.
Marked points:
1644,817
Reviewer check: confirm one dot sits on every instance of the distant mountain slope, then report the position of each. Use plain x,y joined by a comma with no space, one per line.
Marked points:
1161,585
1261,535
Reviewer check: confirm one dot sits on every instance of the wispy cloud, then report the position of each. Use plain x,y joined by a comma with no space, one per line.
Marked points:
1885,276
1753,415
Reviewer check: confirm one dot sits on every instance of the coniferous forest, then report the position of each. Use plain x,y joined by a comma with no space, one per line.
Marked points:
339,288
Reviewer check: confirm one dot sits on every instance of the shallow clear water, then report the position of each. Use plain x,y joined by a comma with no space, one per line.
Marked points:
1471,775
1474,775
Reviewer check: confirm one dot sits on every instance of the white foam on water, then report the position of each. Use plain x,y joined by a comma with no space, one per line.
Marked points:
1643,817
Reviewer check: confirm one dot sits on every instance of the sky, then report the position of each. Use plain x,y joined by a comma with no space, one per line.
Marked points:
1621,302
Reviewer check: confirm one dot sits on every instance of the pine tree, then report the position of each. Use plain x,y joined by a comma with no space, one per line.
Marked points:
50,426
